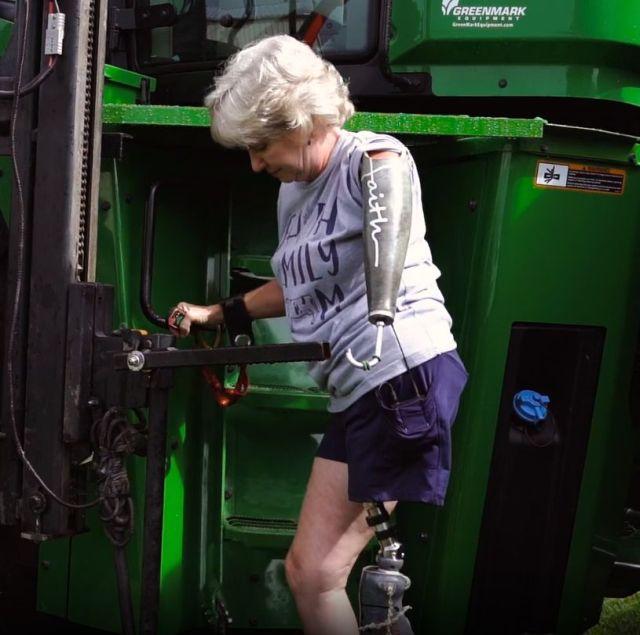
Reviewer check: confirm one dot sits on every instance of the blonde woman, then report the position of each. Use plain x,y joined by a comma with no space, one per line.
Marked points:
388,438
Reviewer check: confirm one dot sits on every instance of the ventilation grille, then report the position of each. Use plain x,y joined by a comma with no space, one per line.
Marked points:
270,524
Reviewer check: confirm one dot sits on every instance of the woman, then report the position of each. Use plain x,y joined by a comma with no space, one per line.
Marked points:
389,434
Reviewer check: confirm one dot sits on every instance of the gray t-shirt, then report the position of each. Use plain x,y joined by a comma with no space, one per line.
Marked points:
319,263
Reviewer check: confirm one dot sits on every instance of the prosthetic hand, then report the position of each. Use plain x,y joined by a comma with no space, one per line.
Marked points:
387,203
382,585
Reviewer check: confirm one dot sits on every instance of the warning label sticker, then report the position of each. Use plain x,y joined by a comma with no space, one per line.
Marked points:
580,177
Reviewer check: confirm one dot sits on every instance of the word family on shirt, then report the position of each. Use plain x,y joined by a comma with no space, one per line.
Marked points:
309,255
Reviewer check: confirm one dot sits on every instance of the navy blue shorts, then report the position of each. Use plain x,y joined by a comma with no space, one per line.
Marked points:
396,439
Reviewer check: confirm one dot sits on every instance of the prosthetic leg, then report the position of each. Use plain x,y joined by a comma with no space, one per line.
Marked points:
382,585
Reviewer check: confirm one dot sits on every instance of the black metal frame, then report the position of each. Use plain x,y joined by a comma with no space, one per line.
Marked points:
111,383
62,222
15,340
233,355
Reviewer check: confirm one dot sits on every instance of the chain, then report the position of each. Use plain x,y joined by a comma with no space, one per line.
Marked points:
389,607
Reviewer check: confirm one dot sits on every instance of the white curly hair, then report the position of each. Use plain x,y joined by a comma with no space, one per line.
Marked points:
273,86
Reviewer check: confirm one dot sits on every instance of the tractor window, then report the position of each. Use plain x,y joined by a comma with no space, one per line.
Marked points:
211,30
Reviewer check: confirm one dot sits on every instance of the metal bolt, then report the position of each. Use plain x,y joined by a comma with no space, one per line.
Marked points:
242,340
37,503
424,536
135,361
503,83
105,206
544,149
227,494
45,564
473,205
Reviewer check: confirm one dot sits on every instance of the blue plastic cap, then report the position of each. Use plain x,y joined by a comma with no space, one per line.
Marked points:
531,405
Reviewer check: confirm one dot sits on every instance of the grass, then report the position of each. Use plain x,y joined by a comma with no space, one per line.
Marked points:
620,616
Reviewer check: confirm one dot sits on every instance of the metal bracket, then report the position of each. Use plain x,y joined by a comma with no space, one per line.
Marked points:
140,18
123,20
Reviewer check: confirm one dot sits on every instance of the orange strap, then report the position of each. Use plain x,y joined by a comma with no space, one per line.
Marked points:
314,29
227,396
223,396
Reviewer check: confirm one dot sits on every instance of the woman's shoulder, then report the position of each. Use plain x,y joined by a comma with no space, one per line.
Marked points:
366,141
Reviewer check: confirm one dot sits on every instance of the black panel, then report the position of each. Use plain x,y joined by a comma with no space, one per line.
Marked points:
634,393
4,258
18,590
17,264
535,480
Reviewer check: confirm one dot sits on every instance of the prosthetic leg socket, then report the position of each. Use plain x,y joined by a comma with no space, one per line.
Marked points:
381,609
382,586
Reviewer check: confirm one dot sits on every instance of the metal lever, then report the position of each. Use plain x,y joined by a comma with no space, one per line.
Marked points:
377,355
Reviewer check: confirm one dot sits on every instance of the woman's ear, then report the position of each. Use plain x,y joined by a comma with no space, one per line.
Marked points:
317,132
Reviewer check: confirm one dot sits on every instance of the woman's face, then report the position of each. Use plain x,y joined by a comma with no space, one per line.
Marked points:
295,156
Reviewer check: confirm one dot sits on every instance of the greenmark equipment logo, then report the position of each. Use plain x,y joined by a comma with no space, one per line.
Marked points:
496,16
449,5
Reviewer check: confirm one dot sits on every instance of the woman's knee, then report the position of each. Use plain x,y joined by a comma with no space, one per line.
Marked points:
308,576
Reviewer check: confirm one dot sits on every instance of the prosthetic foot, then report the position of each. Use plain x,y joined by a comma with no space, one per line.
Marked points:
382,586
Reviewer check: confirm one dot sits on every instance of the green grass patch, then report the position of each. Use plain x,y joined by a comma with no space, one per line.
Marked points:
620,616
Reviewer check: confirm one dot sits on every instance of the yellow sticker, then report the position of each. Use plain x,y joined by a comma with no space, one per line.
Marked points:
579,177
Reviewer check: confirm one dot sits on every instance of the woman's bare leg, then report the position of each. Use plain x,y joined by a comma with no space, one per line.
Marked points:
332,531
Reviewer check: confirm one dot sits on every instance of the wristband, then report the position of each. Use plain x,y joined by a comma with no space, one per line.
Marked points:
237,319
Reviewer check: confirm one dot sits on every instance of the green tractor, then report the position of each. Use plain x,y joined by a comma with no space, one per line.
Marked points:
523,119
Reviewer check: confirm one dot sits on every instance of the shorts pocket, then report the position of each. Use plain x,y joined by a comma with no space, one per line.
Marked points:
415,420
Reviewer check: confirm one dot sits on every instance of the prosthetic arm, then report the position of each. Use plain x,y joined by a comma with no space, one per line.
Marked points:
387,203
